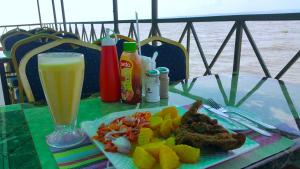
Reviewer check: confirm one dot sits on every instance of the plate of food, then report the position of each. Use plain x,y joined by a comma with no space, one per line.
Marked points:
166,138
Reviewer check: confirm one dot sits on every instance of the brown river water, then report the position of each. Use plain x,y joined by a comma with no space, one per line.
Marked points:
277,41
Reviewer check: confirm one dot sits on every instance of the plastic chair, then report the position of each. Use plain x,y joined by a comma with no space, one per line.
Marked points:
11,32
11,39
19,50
121,39
64,34
45,30
28,67
171,54
35,30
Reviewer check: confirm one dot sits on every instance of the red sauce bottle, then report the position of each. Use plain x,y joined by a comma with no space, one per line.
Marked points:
130,65
110,87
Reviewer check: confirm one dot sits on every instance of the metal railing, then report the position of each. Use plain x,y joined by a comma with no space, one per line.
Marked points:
239,26
231,100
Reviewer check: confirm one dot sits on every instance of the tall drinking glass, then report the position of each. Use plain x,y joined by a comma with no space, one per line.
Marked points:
61,75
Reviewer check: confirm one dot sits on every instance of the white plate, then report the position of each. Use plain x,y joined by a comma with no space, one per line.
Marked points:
121,161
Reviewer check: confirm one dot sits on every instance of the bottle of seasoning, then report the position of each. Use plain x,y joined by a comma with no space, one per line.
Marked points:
152,86
130,66
164,82
110,86
147,64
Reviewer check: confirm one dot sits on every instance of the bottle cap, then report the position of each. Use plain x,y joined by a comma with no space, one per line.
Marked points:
153,72
163,70
107,40
129,46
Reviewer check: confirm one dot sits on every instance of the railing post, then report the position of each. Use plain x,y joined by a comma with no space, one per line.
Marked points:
221,48
256,51
76,30
154,7
70,28
84,36
102,33
237,47
39,12
188,38
255,88
116,20
288,65
130,31
63,14
54,14
183,32
154,17
199,47
220,85
290,103
233,89
93,35
236,62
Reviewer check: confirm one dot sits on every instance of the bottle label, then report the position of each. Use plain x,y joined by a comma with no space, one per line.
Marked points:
127,92
152,89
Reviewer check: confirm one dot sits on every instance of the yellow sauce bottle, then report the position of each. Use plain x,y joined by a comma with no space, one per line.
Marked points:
130,67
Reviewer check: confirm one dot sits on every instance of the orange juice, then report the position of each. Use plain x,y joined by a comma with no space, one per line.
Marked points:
62,80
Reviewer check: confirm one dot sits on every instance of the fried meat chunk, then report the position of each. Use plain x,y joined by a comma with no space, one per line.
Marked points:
199,130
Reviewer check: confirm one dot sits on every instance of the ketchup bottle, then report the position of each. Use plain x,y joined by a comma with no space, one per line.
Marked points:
110,87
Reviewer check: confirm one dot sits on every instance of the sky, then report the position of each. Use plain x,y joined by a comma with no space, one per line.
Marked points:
25,11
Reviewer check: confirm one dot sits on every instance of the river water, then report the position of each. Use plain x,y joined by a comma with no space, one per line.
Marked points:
277,41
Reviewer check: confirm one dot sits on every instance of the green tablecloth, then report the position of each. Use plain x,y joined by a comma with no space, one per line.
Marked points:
23,127
5,55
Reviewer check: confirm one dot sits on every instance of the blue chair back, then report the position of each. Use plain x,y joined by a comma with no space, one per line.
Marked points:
63,34
35,30
120,42
46,31
170,55
91,74
10,40
24,46
10,32
119,46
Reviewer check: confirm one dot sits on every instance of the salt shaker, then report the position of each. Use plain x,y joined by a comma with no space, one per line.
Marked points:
164,82
152,84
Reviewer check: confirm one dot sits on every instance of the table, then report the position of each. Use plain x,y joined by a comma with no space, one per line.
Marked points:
23,127
4,58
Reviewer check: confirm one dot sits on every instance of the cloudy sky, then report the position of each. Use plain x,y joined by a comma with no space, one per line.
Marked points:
25,11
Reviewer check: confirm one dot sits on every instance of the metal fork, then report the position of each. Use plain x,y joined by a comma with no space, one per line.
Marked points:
223,110
227,116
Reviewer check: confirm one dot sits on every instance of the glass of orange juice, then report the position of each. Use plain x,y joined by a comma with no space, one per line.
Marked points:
62,75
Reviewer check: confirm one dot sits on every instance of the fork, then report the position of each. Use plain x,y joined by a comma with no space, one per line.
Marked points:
224,110
228,116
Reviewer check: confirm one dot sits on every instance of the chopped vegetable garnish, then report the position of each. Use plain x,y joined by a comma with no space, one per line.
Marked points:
127,127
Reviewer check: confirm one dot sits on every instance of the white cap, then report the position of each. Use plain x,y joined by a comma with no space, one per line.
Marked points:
107,40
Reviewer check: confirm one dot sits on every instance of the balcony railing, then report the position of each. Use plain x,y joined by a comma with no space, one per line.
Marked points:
88,33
